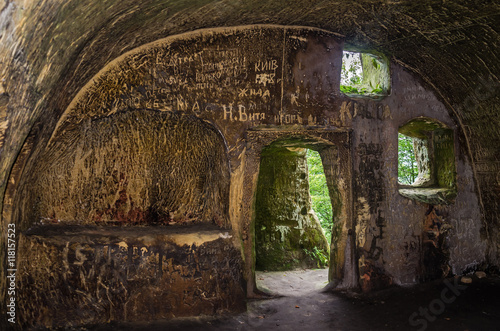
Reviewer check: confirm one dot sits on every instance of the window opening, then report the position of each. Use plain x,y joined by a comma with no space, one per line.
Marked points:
429,145
364,74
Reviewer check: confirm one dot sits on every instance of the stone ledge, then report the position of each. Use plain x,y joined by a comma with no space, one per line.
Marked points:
85,275
430,195
196,234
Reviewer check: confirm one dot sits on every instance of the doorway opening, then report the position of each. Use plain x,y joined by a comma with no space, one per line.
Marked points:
293,219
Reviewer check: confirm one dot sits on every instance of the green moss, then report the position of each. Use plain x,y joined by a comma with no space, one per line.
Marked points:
444,158
438,185
372,78
420,127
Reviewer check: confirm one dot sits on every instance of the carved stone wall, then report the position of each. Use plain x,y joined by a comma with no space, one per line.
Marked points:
78,275
135,167
252,84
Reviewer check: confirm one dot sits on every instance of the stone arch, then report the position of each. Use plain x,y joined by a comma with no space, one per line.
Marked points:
333,147
90,215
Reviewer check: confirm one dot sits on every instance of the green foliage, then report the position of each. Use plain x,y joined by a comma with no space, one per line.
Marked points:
352,77
320,197
352,90
407,163
376,89
320,257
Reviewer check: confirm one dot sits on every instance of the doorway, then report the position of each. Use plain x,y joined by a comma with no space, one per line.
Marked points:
292,223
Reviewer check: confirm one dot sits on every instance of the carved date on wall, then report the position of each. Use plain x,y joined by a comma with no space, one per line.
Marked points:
369,191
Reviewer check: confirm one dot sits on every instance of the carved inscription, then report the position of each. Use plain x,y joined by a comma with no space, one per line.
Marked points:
217,78
266,72
467,250
107,280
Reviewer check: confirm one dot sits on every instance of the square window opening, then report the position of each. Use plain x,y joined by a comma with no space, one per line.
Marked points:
364,74
426,161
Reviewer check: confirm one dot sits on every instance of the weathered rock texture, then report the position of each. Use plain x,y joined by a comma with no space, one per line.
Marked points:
136,167
286,228
65,63
87,275
425,163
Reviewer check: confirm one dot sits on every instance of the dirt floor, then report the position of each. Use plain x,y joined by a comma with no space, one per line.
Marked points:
292,283
301,304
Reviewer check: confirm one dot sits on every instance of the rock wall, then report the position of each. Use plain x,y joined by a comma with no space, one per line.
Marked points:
75,276
135,167
390,227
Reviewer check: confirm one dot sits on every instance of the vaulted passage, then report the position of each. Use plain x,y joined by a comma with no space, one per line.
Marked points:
153,163
145,191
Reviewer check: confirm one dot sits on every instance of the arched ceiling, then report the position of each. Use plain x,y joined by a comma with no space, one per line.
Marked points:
50,49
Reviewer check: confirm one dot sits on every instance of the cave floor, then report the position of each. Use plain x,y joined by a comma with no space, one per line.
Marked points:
292,283
437,305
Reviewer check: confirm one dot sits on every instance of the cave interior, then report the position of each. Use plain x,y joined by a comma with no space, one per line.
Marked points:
152,154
